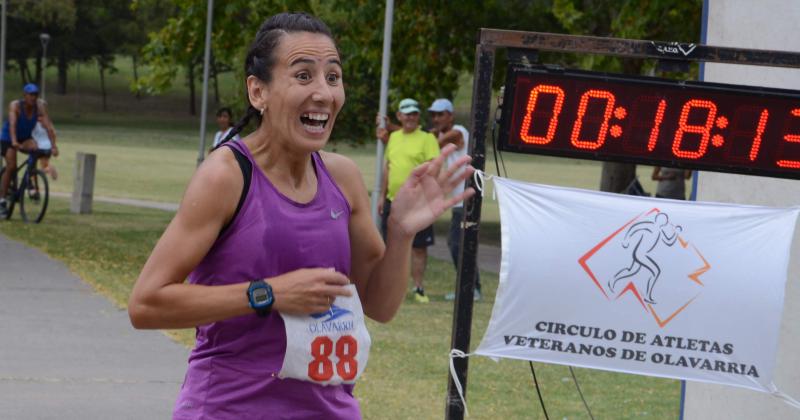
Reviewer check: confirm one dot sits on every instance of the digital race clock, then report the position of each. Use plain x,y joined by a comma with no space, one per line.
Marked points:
694,125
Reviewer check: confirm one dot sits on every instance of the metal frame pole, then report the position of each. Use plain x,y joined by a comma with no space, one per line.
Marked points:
637,48
382,107
204,107
467,267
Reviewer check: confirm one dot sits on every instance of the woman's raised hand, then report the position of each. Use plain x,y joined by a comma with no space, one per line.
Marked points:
426,193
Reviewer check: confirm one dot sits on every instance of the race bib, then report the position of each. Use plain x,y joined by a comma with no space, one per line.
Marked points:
328,348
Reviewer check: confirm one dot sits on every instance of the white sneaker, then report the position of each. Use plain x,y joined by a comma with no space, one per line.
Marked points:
475,296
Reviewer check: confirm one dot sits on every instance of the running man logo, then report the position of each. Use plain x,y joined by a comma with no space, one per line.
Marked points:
333,313
642,256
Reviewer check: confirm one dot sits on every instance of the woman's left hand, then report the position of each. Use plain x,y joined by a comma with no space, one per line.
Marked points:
426,193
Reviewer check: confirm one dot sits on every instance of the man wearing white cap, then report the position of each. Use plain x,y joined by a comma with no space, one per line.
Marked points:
447,132
408,148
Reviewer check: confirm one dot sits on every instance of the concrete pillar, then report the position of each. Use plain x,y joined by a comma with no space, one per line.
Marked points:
769,25
83,190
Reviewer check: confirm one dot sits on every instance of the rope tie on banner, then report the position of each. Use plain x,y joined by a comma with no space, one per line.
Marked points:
480,178
461,355
775,393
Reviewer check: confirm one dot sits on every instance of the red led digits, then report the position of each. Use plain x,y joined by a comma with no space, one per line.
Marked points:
651,143
551,127
704,130
587,115
762,125
601,135
794,138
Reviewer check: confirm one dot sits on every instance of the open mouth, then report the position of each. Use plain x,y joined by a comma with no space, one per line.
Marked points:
314,122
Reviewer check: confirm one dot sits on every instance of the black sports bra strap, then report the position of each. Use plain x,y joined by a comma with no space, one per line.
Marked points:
247,171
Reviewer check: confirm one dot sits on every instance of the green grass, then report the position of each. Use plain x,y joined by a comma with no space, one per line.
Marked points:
144,164
156,164
407,373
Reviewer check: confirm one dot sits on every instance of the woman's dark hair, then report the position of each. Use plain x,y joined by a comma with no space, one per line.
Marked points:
225,110
261,56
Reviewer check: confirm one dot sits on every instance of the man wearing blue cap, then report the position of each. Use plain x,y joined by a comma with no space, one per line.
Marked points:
23,114
447,132
407,148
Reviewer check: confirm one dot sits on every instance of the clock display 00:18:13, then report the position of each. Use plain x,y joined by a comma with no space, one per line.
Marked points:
707,126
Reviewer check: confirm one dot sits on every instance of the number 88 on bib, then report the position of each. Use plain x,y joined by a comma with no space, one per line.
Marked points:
328,348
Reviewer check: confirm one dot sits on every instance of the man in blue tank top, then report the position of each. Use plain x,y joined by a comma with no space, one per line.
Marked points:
23,116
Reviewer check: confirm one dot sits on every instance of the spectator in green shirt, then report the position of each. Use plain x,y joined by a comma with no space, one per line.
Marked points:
406,149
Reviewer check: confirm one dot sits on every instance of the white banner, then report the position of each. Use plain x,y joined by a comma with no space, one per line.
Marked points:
665,288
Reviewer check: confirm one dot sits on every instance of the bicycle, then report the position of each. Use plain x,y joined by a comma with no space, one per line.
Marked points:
33,193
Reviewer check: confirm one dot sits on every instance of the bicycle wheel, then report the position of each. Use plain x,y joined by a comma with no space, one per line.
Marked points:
35,194
11,195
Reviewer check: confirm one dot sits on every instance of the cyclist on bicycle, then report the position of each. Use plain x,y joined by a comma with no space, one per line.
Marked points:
23,114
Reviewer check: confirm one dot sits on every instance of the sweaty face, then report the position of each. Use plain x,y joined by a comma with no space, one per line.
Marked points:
30,99
306,92
410,122
442,120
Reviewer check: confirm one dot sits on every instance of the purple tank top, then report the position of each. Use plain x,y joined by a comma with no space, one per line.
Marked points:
233,368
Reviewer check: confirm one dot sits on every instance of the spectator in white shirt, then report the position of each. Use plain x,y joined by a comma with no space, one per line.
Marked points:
225,123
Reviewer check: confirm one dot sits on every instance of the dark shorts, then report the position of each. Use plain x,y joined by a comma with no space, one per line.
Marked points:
422,239
4,146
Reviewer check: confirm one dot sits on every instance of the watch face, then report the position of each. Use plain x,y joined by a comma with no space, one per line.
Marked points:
260,296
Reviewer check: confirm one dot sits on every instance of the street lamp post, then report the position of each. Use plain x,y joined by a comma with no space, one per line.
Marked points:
388,23
206,65
44,38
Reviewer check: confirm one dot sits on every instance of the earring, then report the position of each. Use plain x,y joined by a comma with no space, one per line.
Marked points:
261,111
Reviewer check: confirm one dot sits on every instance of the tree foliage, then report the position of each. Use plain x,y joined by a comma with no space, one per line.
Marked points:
433,44
80,31
26,20
658,20
44,13
433,41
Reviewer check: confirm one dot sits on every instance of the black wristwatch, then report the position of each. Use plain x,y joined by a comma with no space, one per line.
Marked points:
259,294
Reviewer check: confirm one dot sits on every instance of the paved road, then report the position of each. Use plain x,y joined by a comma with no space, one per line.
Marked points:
67,353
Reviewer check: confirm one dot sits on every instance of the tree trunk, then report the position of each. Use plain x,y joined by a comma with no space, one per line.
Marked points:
616,177
216,82
190,76
24,71
103,84
63,66
136,76
38,78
